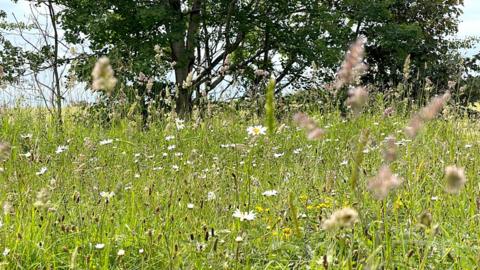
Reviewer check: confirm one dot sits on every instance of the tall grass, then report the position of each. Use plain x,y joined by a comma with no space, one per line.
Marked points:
163,215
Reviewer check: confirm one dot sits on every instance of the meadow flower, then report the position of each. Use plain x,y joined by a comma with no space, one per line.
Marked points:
105,142
179,123
239,239
345,217
201,246
26,136
286,232
385,181
211,196
169,138
270,193
5,252
190,206
42,171
7,208
120,252
43,199
171,147
141,251
107,195
277,155
256,130
297,151
61,149
456,179
249,216
99,246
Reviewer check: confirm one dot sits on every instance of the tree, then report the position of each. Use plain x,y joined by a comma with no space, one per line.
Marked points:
12,59
45,56
398,28
215,41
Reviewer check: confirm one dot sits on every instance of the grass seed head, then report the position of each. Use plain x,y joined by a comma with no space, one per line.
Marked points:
343,218
385,181
353,65
456,179
357,99
309,125
103,76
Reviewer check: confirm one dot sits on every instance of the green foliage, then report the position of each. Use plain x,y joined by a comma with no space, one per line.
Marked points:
12,58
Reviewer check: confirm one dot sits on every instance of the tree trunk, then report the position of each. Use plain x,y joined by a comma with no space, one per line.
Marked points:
184,103
183,50
57,90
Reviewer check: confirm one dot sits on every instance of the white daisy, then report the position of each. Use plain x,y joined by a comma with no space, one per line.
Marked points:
249,216
26,155
99,246
169,138
180,124
42,171
121,252
211,196
26,136
256,130
61,149
107,195
106,141
277,155
270,193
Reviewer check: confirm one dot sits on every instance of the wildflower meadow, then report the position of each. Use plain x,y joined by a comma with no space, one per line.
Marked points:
239,135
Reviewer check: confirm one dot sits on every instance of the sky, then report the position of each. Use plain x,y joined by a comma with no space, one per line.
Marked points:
470,25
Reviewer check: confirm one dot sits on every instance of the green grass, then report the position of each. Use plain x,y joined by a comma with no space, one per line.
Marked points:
149,209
